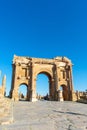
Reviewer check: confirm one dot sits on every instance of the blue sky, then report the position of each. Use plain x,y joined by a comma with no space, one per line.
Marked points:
46,29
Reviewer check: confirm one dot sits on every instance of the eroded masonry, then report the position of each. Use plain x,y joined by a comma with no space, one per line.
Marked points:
3,87
58,71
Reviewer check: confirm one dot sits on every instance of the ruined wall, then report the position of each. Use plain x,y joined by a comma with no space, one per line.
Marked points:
80,96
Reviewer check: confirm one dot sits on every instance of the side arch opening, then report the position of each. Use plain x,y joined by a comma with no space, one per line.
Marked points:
22,92
64,90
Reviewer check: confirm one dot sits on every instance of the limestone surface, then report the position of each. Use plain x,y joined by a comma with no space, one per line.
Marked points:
48,115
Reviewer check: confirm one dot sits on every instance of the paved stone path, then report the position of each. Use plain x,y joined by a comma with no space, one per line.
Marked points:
48,115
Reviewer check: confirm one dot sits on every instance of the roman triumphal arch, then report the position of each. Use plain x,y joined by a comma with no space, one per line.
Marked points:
58,70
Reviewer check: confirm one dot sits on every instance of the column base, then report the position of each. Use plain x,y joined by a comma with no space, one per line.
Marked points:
15,99
33,100
60,100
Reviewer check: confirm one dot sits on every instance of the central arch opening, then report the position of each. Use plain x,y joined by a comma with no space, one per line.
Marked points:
43,86
22,92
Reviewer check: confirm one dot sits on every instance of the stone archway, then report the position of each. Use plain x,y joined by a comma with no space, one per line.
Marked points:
26,69
23,92
65,92
49,93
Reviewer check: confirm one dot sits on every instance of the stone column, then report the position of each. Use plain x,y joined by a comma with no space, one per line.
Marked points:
4,85
56,76
52,90
15,83
57,82
15,96
60,95
33,89
71,84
